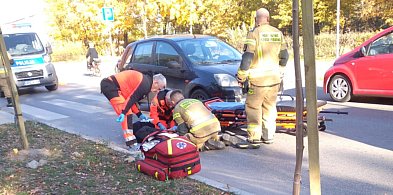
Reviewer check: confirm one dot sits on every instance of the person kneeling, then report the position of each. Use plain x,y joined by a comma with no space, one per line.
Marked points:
196,122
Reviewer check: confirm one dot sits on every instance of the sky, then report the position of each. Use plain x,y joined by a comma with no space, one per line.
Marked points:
11,10
32,11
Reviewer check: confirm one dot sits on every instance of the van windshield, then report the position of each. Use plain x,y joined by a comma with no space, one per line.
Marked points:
209,51
23,44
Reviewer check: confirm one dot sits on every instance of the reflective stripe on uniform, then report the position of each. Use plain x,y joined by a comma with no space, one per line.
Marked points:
250,91
254,131
201,125
252,127
262,71
176,115
260,52
250,42
242,74
129,135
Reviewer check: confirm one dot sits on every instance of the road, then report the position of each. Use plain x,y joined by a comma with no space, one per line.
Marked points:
356,150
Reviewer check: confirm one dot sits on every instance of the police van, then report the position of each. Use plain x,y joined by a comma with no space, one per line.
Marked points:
32,65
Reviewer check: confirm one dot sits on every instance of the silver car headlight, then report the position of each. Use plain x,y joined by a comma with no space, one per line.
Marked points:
226,80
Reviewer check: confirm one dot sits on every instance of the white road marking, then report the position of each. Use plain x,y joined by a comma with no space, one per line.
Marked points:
76,106
41,113
99,98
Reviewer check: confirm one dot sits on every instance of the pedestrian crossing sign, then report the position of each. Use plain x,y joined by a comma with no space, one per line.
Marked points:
107,14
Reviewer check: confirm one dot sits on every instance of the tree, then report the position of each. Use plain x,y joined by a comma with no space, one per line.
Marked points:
67,15
76,20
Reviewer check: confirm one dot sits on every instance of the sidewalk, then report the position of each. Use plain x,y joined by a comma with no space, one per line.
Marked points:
5,116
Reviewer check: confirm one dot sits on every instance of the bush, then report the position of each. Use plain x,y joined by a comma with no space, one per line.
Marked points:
68,51
236,37
351,40
325,43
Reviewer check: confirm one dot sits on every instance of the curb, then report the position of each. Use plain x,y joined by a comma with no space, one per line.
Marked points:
219,185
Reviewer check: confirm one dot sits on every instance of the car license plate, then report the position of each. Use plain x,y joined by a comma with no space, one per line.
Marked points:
32,82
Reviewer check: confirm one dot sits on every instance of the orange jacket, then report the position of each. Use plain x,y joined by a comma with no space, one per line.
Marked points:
133,86
160,112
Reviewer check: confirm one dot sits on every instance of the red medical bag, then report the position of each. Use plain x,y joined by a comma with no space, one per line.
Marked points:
172,158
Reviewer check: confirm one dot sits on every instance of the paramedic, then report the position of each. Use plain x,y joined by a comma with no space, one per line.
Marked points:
196,122
124,90
160,111
91,54
3,81
265,56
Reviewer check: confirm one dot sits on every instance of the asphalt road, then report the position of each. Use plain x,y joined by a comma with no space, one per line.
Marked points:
355,151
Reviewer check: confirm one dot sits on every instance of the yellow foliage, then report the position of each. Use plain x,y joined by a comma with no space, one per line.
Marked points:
81,21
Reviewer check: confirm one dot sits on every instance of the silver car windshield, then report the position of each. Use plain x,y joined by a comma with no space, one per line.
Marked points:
19,44
209,51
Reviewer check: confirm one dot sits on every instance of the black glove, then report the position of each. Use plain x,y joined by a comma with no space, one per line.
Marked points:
245,87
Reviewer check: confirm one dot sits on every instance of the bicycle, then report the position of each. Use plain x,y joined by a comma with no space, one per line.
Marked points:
94,67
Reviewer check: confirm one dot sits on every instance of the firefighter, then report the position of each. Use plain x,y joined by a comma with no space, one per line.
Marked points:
264,58
124,90
160,111
196,122
3,81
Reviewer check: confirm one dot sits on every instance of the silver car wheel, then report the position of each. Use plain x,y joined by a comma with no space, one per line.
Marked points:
340,89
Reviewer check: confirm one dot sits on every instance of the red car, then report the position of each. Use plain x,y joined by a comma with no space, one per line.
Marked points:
367,70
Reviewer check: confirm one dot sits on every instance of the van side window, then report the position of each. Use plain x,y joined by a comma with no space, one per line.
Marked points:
143,53
166,53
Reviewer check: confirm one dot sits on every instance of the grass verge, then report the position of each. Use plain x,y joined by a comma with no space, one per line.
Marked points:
70,164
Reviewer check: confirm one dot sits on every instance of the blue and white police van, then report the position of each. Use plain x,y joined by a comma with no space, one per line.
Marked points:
32,61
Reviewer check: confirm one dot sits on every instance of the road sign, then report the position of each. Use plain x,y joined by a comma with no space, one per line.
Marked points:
107,14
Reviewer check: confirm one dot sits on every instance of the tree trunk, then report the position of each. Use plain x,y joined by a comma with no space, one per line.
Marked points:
299,99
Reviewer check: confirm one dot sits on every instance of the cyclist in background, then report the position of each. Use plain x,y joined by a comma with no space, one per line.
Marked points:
90,55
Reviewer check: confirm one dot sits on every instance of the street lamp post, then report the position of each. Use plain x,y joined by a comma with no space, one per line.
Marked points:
145,19
192,8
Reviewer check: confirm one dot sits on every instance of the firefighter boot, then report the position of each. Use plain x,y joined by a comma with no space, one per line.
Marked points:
211,144
267,141
230,139
9,102
248,144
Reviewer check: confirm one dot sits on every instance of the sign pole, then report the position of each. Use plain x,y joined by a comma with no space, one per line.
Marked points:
110,37
108,16
338,30
15,97
144,19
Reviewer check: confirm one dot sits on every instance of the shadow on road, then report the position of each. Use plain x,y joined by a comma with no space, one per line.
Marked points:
367,120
